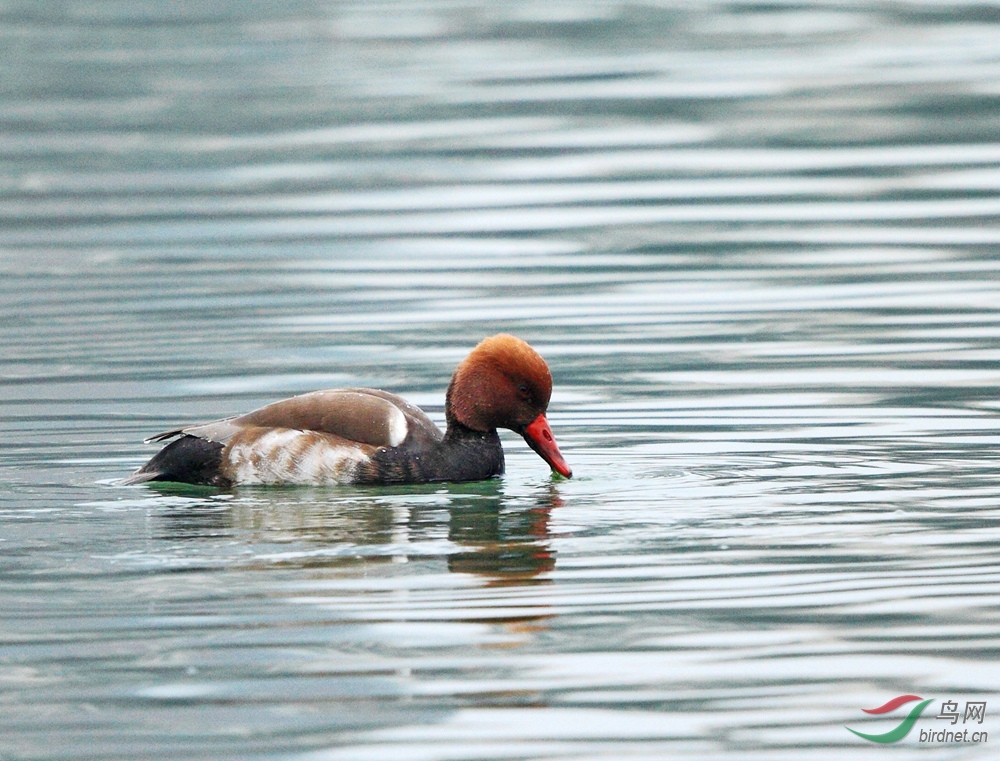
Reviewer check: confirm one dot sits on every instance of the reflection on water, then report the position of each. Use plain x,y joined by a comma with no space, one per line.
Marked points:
508,546
756,244
480,530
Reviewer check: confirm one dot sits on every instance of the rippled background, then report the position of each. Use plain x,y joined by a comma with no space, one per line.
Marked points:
757,245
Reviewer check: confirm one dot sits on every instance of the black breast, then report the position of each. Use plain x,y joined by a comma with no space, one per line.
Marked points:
463,455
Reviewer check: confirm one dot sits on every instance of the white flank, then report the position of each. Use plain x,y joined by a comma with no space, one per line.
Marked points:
282,457
397,427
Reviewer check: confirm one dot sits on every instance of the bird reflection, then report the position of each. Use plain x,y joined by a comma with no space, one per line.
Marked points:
507,544
503,538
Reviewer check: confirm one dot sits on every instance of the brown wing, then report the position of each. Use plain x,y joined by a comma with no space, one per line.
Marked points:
367,416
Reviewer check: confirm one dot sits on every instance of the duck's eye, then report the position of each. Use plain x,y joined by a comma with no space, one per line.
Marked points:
524,391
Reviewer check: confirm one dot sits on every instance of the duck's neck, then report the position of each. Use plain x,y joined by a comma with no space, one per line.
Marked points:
471,455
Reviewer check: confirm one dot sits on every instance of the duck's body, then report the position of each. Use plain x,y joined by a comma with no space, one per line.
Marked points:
367,436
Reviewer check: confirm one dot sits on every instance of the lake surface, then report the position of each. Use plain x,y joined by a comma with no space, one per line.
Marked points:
756,243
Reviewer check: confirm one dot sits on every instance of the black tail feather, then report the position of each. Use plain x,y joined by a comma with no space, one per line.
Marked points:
187,460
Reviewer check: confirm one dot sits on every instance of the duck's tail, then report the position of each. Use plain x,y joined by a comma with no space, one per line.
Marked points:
186,460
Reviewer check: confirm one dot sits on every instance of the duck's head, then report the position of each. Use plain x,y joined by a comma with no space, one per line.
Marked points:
503,383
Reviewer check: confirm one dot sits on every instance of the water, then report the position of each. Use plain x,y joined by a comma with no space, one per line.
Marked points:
756,244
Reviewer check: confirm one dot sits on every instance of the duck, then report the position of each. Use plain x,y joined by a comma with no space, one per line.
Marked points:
370,436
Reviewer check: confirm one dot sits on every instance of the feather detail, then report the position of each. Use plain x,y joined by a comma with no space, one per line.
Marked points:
289,456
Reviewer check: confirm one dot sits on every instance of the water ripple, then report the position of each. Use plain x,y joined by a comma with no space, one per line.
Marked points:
755,245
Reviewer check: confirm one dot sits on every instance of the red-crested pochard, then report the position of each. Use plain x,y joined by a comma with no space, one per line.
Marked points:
366,436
